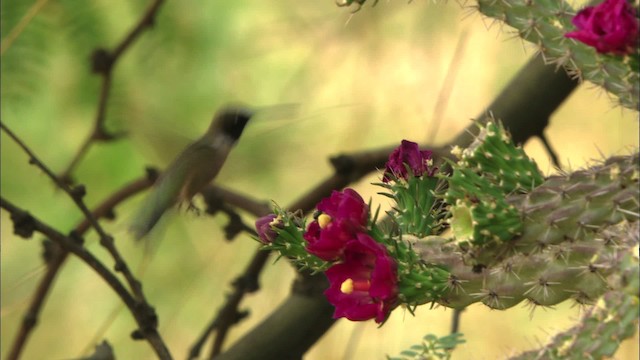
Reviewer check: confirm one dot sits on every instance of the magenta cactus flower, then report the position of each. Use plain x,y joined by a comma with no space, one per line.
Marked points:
344,214
328,243
611,27
408,154
347,204
364,285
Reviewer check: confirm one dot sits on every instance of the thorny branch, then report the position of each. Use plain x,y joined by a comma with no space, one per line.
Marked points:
57,256
25,224
102,63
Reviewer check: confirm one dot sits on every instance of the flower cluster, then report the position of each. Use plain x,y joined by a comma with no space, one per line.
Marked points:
363,281
361,263
611,27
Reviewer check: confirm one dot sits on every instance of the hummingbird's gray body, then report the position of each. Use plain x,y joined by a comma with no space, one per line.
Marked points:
193,169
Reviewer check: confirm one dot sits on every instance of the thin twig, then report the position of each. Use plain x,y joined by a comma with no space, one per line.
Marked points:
25,224
447,87
552,153
30,319
218,198
455,320
103,62
76,193
245,284
216,193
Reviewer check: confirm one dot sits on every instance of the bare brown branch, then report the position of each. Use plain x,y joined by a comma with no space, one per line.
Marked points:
25,225
59,255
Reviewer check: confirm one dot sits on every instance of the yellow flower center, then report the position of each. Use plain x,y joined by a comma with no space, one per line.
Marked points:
348,286
324,220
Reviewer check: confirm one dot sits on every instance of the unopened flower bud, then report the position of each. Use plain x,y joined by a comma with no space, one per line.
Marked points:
265,226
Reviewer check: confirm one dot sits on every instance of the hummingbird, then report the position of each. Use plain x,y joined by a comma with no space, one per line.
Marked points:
192,170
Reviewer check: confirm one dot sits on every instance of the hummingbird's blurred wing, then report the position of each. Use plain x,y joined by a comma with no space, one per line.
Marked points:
161,197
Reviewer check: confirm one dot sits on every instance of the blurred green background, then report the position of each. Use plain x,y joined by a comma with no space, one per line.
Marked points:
359,82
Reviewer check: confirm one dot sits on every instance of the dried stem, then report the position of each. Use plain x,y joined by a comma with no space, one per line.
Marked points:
76,193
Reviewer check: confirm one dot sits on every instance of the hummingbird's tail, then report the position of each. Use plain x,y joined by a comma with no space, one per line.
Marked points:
149,213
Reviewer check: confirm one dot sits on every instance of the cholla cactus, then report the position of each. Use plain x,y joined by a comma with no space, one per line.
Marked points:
516,236
505,209
581,271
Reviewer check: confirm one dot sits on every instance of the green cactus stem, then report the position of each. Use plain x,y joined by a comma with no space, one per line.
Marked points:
602,329
480,213
544,23
488,170
418,204
570,207
581,271
494,156
500,206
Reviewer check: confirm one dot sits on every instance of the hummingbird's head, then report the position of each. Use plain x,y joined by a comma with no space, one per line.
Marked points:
231,120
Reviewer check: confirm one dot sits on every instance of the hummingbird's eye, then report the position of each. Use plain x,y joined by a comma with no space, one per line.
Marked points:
243,116
233,121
